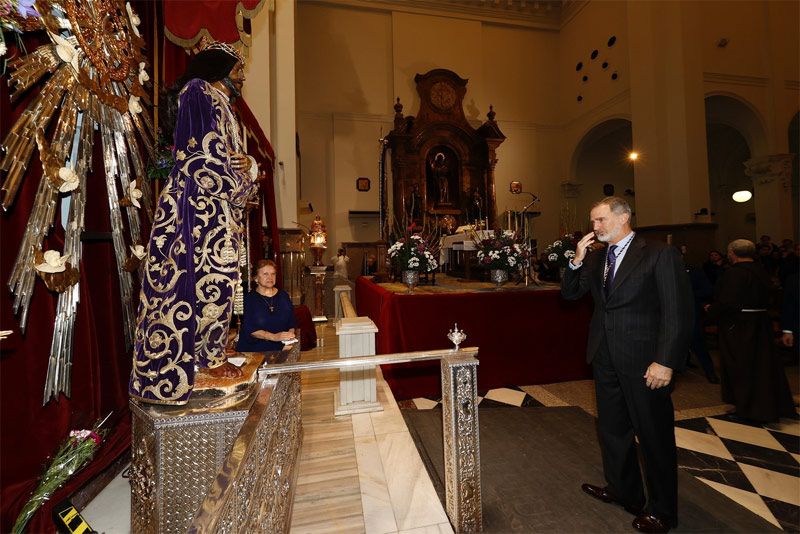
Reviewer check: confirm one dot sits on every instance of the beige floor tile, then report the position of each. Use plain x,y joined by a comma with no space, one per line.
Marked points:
701,442
506,395
375,499
388,421
441,528
414,500
773,484
362,425
748,499
745,434
424,404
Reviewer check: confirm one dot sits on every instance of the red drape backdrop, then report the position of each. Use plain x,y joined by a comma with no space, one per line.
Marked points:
30,432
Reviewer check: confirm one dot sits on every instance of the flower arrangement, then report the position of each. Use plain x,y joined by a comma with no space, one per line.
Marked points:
161,166
75,452
413,253
504,251
561,251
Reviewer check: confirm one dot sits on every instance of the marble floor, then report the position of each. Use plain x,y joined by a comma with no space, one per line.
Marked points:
362,473
358,473
757,467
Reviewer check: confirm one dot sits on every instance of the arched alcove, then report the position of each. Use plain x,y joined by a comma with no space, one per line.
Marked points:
601,159
732,110
727,152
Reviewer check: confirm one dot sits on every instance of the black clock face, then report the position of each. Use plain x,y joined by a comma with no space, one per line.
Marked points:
443,96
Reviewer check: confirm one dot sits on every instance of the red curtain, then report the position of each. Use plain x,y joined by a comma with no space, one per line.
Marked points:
186,20
30,432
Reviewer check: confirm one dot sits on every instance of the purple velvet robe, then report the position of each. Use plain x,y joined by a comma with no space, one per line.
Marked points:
192,265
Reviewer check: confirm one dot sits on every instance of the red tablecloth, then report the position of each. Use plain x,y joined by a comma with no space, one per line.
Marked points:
524,337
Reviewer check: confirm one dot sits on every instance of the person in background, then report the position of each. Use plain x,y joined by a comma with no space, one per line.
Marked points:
714,267
753,378
340,264
790,311
372,264
268,320
702,291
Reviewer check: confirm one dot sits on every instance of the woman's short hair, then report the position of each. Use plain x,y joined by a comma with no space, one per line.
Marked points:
264,263
743,248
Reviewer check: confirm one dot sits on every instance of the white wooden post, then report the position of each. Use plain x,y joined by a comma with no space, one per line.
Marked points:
356,392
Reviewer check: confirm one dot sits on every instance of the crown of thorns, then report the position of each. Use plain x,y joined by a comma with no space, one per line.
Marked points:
208,44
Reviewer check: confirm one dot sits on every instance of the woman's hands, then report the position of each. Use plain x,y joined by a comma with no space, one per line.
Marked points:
274,336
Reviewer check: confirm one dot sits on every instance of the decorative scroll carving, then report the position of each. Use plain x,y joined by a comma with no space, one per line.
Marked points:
766,169
461,442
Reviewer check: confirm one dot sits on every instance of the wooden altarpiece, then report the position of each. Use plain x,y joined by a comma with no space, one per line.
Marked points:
441,165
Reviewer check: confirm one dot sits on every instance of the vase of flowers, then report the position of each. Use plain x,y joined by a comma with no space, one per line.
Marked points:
498,276
561,251
410,279
411,255
501,254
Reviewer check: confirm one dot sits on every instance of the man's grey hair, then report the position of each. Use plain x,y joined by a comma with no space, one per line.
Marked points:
743,248
617,205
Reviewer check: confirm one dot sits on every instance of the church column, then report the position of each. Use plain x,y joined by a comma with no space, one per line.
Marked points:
284,127
772,193
668,112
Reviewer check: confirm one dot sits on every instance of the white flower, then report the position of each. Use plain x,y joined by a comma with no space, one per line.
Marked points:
134,194
569,254
507,249
80,434
3,49
556,244
512,261
133,104
517,248
69,179
134,18
54,262
480,254
417,237
143,76
138,251
508,233
553,257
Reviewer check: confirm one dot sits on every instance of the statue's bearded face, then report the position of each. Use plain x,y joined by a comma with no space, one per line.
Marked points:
235,81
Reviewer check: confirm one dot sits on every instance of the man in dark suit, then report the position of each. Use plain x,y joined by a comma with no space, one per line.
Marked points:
638,336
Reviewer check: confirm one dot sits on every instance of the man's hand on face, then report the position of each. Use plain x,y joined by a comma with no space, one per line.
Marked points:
581,247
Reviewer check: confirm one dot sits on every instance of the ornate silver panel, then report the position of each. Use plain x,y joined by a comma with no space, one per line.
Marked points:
462,459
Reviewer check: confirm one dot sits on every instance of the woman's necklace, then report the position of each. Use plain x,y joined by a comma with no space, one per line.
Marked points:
270,301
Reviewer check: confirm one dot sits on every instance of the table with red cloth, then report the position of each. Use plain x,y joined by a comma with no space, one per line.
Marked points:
525,336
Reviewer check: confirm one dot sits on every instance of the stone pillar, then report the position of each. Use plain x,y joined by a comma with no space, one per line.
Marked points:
284,110
772,194
319,293
668,111
357,389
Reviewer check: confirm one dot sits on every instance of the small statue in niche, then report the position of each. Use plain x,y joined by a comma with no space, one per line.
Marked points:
441,173
414,206
476,205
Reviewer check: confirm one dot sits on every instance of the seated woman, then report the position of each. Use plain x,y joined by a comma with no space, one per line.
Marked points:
268,314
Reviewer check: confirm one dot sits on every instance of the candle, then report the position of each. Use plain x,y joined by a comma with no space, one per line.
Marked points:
508,218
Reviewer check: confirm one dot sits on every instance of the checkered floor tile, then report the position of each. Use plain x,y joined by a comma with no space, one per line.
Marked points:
757,467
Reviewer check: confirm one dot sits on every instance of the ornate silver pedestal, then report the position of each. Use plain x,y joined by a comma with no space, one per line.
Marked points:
462,458
217,465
